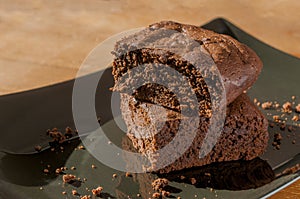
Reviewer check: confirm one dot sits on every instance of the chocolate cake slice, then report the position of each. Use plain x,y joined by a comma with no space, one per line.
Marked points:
152,127
174,45
156,103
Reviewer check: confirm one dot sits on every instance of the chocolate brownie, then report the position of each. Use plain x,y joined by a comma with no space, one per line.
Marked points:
173,44
244,134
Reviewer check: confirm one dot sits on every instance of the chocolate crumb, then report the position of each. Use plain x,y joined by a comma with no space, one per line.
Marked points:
294,142
193,181
114,175
277,140
165,193
128,174
295,118
266,105
68,131
38,148
97,191
64,193
182,177
277,137
276,118
57,136
138,195
46,171
287,107
73,168
58,171
297,109
93,166
86,197
64,168
68,178
74,192
282,126
81,147
159,183
156,195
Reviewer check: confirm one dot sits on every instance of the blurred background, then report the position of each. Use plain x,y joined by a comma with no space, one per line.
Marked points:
44,42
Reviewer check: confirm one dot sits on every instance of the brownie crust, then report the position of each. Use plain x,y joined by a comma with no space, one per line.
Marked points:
238,65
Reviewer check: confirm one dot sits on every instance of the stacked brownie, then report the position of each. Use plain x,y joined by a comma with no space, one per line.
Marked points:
154,113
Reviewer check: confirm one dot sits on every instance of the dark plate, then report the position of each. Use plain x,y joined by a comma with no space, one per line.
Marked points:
25,117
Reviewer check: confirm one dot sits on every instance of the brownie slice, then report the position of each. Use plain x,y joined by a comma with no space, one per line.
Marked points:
151,127
238,65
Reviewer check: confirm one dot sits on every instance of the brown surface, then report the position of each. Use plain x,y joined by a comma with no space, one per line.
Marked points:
291,192
44,42
244,135
238,65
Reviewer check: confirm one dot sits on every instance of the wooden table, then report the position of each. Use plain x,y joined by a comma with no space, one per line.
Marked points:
44,42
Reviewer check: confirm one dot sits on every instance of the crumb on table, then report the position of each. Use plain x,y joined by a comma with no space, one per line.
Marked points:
74,192
159,183
85,197
68,178
266,105
97,191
